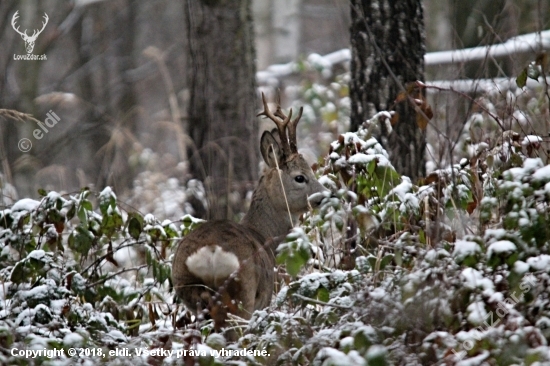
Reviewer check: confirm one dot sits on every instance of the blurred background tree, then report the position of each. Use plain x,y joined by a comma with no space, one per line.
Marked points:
222,101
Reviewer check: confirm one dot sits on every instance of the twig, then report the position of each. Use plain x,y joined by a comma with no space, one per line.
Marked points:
320,302
466,96
16,115
124,270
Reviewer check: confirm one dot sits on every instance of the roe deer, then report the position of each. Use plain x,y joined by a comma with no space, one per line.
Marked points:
236,261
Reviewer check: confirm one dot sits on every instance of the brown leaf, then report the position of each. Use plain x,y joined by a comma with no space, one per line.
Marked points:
471,206
65,309
151,314
431,178
69,280
394,119
401,97
411,87
59,227
542,59
109,256
449,235
427,109
421,121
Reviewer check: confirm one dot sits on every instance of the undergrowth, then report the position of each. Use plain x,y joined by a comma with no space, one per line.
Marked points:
389,271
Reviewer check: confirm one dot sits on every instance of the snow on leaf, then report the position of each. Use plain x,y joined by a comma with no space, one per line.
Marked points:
542,174
38,254
73,340
472,279
531,139
501,247
25,204
476,312
540,262
465,248
521,267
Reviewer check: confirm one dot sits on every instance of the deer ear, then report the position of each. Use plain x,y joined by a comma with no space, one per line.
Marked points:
271,150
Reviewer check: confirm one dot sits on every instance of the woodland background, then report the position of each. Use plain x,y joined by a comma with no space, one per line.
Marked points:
118,75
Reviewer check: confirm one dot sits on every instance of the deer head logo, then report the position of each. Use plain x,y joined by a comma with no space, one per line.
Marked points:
29,40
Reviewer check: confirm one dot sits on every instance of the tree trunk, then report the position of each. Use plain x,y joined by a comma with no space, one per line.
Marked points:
222,106
387,42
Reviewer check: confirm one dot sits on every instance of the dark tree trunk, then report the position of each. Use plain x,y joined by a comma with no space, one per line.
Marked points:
387,42
221,78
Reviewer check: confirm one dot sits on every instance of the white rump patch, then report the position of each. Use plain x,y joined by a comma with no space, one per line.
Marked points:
212,264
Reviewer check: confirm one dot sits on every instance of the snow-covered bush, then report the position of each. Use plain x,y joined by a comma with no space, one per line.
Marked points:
408,291
75,275
454,269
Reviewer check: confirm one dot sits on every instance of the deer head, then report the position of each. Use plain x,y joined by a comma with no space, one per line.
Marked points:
288,183
29,40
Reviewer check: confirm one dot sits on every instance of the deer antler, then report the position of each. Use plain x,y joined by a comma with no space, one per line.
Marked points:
24,34
14,21
291,126
281,122
46,18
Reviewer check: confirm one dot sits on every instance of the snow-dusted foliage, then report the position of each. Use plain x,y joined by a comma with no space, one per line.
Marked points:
453,269
407,291
75,275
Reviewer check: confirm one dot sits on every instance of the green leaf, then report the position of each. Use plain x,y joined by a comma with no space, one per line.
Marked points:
111,223
422,236
398,257
55,217
87,205
469,261
134,227
71,212
371,166
42,192
19,273
385,261
36,264
521,80
293,264
363,340
6,335
82,241
82,215
104,206
323,295
372,261
386,178
170,233
376,356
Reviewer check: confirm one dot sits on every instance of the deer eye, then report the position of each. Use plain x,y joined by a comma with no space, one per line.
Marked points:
300,178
